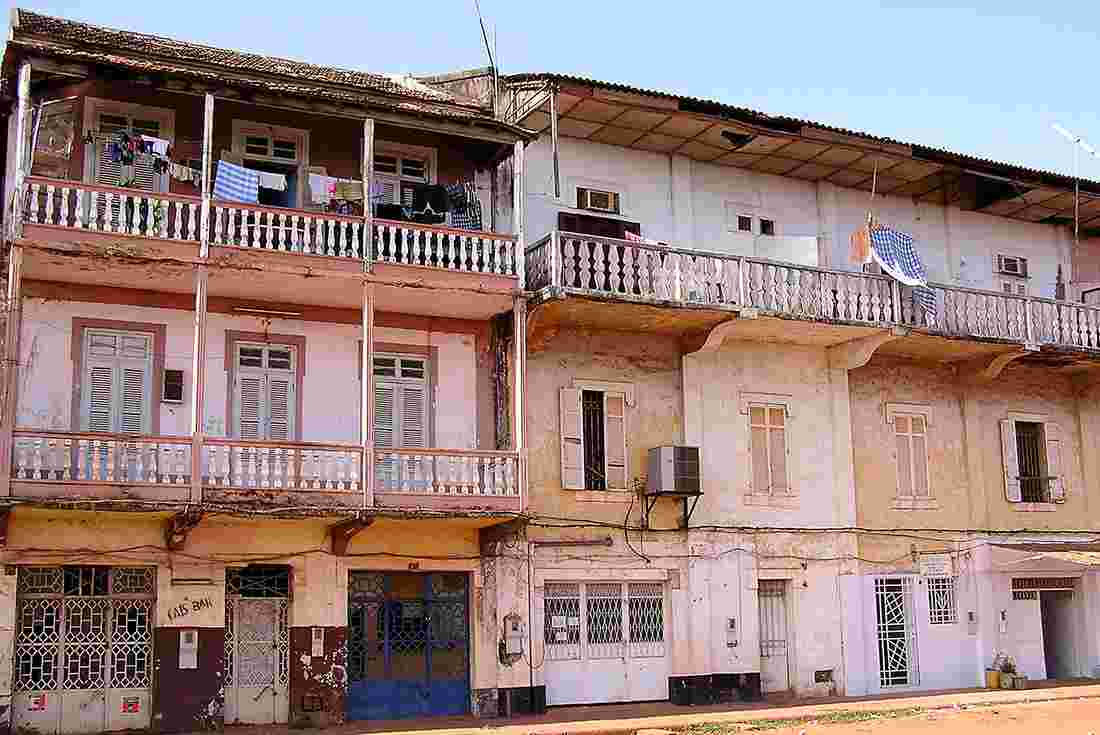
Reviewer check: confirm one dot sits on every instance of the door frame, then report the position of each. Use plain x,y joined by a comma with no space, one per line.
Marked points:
283,662
788,611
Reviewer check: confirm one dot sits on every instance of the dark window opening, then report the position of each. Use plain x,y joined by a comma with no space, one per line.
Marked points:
767,227
273,197
1030,446
744,223
592,413
585,224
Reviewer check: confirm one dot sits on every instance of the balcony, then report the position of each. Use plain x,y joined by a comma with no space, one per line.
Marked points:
720,286
83,466
105,212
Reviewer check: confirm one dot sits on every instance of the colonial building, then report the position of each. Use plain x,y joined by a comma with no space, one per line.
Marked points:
895,481
256,434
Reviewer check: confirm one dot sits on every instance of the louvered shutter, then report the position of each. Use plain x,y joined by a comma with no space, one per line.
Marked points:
99,413
250,387
280,407
614,416
572,440
134,395
385,399
385,190
414,429
1055,469
1011,466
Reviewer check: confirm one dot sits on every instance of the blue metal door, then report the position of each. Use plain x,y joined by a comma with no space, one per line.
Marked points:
408,645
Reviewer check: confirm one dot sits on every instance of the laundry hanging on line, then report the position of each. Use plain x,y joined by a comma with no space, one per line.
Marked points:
159,145
236,184
897,255
268,180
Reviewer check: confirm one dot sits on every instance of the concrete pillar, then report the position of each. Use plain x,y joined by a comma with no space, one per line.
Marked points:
366,397
10,371
368,209
198,382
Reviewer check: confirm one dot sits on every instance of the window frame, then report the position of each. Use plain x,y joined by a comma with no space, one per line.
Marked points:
946,614
911,501
159,331
243,129
610,391
94,107
1054,457
232,338
769,427
429,155
748,401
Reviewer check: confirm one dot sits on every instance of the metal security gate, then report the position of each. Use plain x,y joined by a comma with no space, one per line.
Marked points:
605,642
408,645
774,654
897,632
83,649
257,645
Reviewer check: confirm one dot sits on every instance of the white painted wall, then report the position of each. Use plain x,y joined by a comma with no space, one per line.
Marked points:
688,204
330,387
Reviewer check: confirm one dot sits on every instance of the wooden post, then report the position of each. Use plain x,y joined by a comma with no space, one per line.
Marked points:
368,208
207,144
519,342
554,139
519,210
366,398
23,94
554,259
198,383
895,298
11,366
1028,326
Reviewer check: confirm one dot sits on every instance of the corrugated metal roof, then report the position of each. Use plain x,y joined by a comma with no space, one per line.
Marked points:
942,155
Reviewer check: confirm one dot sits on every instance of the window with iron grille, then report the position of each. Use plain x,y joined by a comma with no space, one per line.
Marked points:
592,408
942,608
1030,453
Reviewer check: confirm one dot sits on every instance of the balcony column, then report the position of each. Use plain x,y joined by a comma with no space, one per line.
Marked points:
519,442
368,209
20,165
13,327
519,212
202,277
366,398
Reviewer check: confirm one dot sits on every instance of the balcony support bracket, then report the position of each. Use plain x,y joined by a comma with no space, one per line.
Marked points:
720,332
5,518
343,533
857,352
179,527
985,370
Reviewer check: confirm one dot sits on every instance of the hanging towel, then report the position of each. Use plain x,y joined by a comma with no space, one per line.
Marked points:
272,181
319,188
158,145
894,251
861,246
348,189
236,184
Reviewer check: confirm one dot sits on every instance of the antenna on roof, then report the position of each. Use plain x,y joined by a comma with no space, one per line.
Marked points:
488,49
1079,145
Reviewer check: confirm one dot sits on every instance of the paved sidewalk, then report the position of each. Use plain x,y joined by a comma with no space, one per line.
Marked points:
627,719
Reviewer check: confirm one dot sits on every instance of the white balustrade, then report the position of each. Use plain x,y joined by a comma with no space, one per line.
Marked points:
475,473
245,465
443,247
48,456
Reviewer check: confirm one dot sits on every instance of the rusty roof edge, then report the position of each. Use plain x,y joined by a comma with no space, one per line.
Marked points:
780,124
368,97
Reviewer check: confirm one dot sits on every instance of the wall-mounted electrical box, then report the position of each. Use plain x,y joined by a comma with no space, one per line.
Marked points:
317,642
514,634
189,648
731,632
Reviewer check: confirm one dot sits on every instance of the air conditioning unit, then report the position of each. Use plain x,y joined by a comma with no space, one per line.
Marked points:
1009,265
872,268
597,200
674,471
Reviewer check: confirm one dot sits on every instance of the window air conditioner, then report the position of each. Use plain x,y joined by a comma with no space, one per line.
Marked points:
1011,266
599,201
674,471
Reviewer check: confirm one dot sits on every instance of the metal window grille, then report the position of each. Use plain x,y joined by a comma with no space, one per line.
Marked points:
594,451
257,632
896,631
1043,583
646,619
562,621
773,617
604,620
1031,453
258,581
942,608
84,628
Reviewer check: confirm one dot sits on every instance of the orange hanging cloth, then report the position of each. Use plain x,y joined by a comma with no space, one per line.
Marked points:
861,245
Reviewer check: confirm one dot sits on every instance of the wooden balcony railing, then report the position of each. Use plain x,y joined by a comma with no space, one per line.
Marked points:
232,464
631,271
78,206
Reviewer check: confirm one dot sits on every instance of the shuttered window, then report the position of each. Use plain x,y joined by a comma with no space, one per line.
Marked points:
910,433
265,399
593,440
768,445
112,173
401,404
118,381
395,176
1032,456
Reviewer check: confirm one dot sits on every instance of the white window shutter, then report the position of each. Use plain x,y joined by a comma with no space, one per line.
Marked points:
572,440
385,190
1011,461
135,400
99,407
280,407
614,417
1055,468
384,424
414,414
249,406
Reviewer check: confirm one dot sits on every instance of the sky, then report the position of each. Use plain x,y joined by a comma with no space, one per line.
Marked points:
988,80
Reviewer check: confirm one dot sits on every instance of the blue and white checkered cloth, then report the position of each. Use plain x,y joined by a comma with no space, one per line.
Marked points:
894,251
236,183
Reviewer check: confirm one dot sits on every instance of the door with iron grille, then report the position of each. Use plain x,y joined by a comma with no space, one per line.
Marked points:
257,645
896,632
605,642
774,654
83,649
408,645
